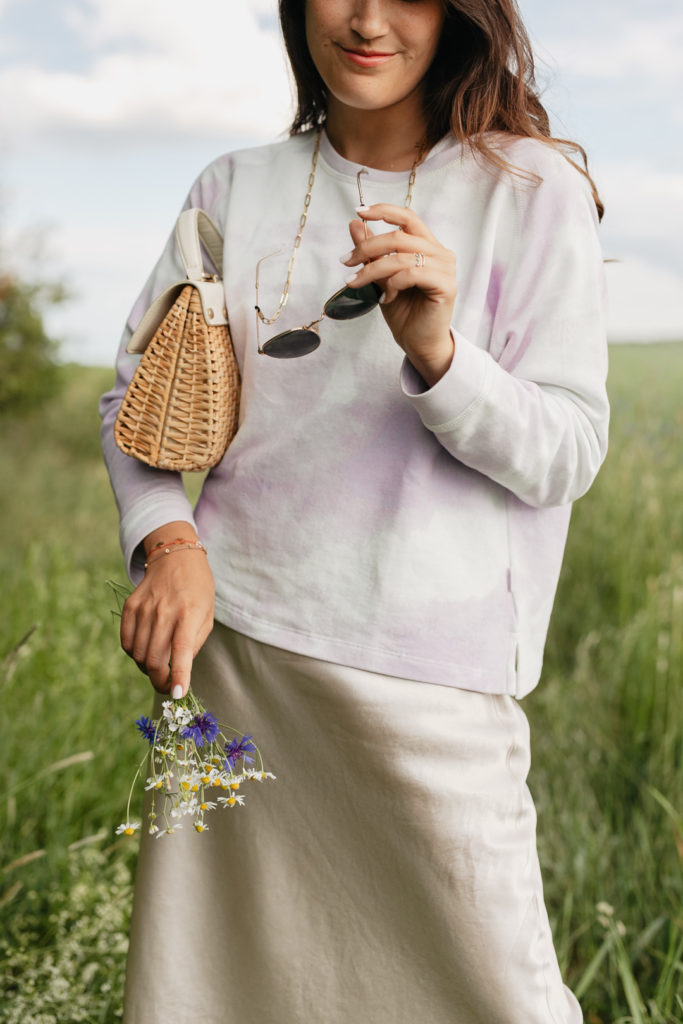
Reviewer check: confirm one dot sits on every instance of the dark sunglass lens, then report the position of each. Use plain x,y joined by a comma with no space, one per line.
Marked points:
352,302
291,344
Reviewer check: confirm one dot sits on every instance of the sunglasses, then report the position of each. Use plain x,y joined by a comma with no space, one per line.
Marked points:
346,304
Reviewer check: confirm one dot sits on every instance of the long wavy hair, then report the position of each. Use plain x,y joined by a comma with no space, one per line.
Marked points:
481,81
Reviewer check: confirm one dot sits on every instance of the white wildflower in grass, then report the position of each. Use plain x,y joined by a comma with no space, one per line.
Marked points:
189,757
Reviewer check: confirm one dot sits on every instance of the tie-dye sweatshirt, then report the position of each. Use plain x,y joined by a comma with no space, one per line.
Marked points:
360,516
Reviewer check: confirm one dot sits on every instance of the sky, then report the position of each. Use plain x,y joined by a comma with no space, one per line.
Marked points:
109,110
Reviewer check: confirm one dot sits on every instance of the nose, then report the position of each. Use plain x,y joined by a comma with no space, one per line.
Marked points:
369,19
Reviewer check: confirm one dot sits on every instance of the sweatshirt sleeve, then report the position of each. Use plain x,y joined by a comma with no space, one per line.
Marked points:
534,418
146,497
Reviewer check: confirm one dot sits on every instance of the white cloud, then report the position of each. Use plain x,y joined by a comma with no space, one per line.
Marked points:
640,49
645,302
157,69
642,230
643,204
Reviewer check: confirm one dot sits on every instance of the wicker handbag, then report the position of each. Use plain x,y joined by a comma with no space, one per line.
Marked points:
181,407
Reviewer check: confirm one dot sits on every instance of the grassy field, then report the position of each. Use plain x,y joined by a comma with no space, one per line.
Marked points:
606,720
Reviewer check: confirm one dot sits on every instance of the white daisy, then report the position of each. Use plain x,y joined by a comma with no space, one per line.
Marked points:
128,828
168,831
230,801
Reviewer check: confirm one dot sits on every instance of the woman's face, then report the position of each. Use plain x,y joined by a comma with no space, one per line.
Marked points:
372,54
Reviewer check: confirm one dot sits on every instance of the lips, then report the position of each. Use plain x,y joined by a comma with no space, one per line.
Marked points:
366,58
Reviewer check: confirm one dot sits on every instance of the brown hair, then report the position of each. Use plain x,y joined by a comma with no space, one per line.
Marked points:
481,80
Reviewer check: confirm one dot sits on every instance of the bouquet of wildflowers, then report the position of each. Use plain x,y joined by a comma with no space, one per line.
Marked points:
191,767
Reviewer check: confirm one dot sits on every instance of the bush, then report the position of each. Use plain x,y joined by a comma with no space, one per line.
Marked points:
27,353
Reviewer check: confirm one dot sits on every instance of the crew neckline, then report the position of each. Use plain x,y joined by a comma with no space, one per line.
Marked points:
442,153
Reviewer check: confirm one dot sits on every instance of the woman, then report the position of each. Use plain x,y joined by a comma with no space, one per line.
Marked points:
384,536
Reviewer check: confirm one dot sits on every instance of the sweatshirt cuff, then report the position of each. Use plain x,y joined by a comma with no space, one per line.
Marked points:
141,520
464,384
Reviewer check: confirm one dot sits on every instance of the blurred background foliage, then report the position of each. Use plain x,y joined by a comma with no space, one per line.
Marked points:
28,354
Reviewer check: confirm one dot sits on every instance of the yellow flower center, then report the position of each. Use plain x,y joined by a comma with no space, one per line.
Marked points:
234,785
232,800
129,831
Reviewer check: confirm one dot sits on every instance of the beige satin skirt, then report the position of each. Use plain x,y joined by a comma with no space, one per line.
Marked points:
388,876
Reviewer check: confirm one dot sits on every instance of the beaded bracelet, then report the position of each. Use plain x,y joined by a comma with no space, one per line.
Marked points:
170,543
176,545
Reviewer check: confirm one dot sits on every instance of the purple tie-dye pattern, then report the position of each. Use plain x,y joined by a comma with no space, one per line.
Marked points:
359,517
494,288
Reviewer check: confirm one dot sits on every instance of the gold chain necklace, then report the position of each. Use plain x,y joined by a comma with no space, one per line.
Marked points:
304,215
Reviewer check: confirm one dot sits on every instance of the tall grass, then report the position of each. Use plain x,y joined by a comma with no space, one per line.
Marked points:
606,720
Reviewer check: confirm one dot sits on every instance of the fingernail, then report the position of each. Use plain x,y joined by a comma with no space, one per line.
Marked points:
382,298
177,692
346,256
362,209
350,278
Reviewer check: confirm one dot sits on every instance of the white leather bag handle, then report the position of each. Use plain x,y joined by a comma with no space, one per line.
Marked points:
193,227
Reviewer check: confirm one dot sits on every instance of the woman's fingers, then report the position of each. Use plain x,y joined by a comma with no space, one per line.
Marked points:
418,278
359,232
435,287
187,640
399,271
168,617
377,246
158,655
401,216
413,248
145,636
128,627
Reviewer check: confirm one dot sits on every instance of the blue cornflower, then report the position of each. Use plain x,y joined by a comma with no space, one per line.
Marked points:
203,728
237,749
147,727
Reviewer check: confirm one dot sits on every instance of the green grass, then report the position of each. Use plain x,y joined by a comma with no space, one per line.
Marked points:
607,776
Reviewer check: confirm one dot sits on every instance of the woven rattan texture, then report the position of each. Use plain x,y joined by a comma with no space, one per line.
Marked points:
181,408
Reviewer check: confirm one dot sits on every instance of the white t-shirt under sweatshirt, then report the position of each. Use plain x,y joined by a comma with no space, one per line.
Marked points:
359,516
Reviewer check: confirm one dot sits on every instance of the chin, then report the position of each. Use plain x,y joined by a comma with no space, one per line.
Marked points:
365,94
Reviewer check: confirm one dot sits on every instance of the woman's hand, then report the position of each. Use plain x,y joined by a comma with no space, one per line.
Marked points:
417,275
169,615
